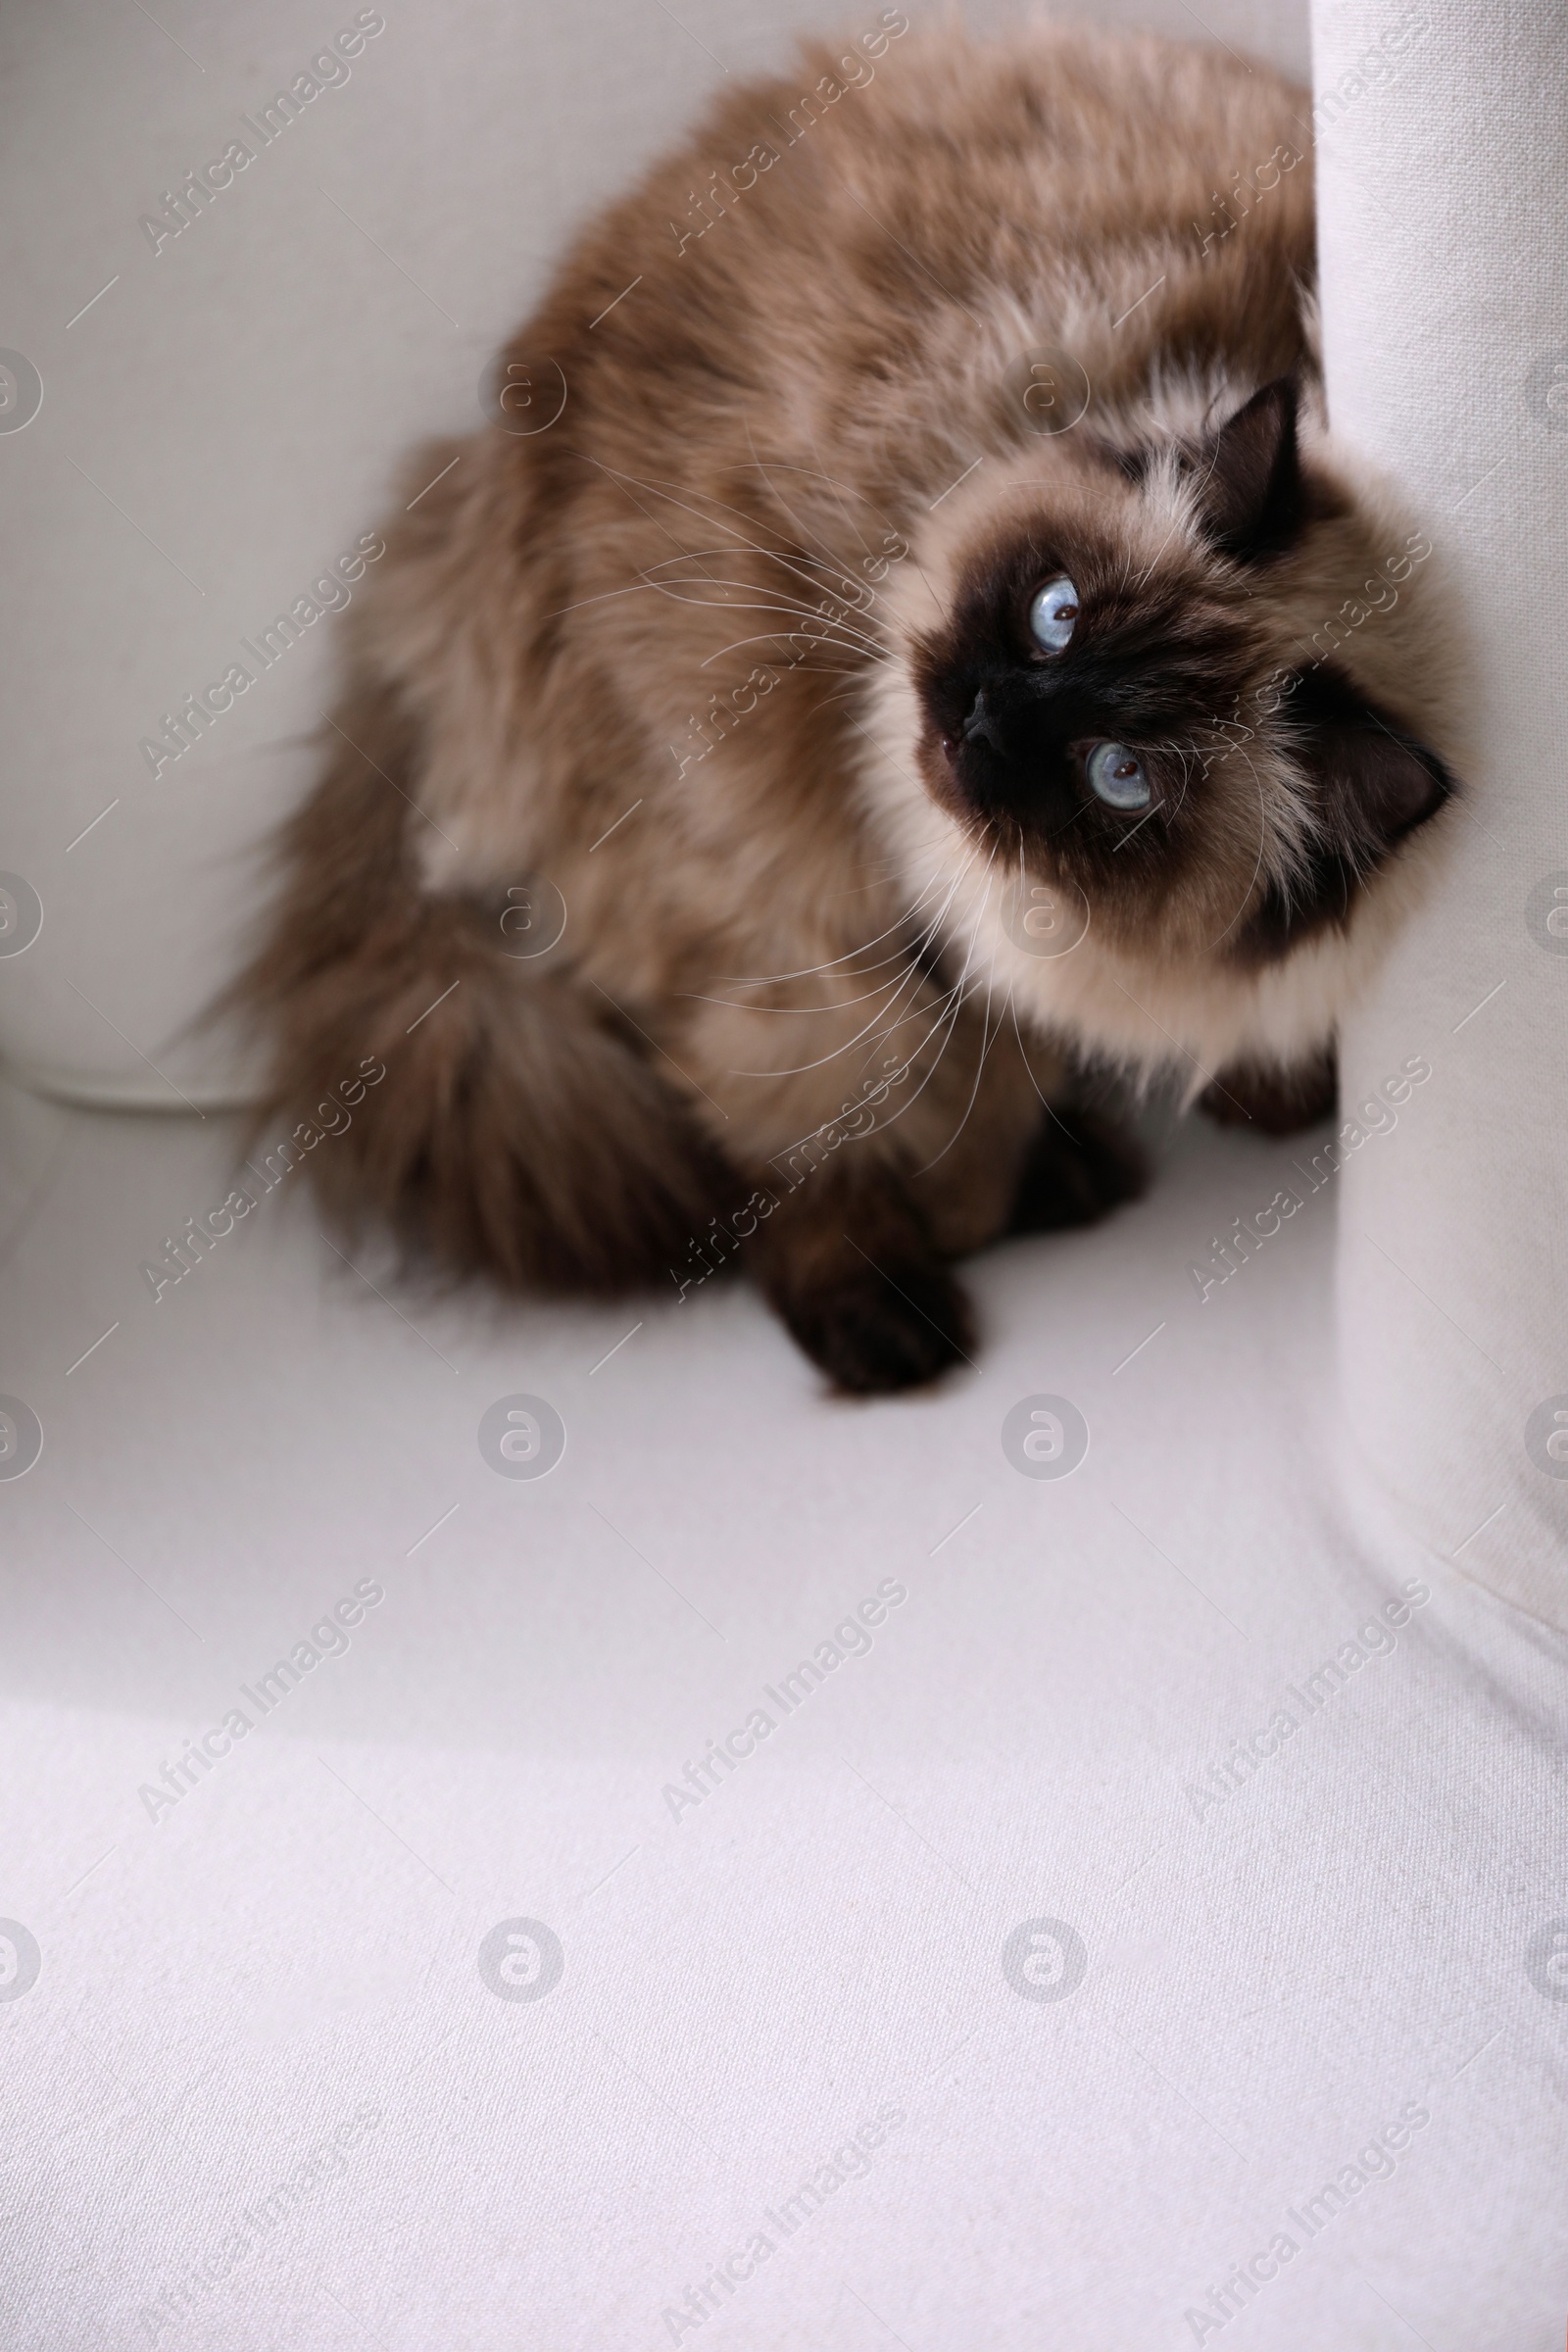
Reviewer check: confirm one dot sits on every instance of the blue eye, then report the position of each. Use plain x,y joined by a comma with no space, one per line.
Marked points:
1116,776
1052,612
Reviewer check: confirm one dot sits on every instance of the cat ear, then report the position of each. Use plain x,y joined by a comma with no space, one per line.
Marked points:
1251,493
1372,782
1375,781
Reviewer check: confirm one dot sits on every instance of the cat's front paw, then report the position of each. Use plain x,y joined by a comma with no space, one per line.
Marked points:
1079,1166
874,1332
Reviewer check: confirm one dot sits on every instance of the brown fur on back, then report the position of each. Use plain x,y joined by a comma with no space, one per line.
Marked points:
519,1132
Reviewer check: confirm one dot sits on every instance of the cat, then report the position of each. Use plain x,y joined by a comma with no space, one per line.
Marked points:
901,637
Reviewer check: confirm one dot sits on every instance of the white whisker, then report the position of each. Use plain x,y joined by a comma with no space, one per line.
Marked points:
1029,1070
775,494
772,554
914,976
772,636
988,1038
727,509
775,979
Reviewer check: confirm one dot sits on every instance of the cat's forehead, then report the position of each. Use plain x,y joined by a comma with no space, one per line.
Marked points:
1020,520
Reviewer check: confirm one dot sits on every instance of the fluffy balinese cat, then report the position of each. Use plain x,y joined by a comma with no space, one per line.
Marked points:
901,635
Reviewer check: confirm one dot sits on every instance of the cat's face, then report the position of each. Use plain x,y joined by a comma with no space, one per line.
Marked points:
1179,684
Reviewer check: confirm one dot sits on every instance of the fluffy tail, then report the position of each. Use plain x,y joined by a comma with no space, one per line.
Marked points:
519,1132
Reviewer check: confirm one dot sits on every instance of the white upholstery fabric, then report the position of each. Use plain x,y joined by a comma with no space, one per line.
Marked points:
266,2091
1443,212
1041,1729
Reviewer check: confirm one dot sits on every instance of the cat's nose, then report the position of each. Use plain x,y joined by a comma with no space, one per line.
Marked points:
981,725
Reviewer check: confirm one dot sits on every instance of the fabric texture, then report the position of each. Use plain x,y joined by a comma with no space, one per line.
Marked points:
1146,1844
794,1876
1443,196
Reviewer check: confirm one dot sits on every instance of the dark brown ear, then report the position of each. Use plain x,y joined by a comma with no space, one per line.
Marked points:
1373,783
1250,491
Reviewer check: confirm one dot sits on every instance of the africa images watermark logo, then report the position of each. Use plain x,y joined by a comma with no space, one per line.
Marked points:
521,1960
181,207
1045,1437
195,715
851,2160
1377,1115
20,391
20,915
1376,2160
1375,1637
20,1960
328,1638
197,1239
1044,1960
249,2230
21,1436
522,1435
849,1639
